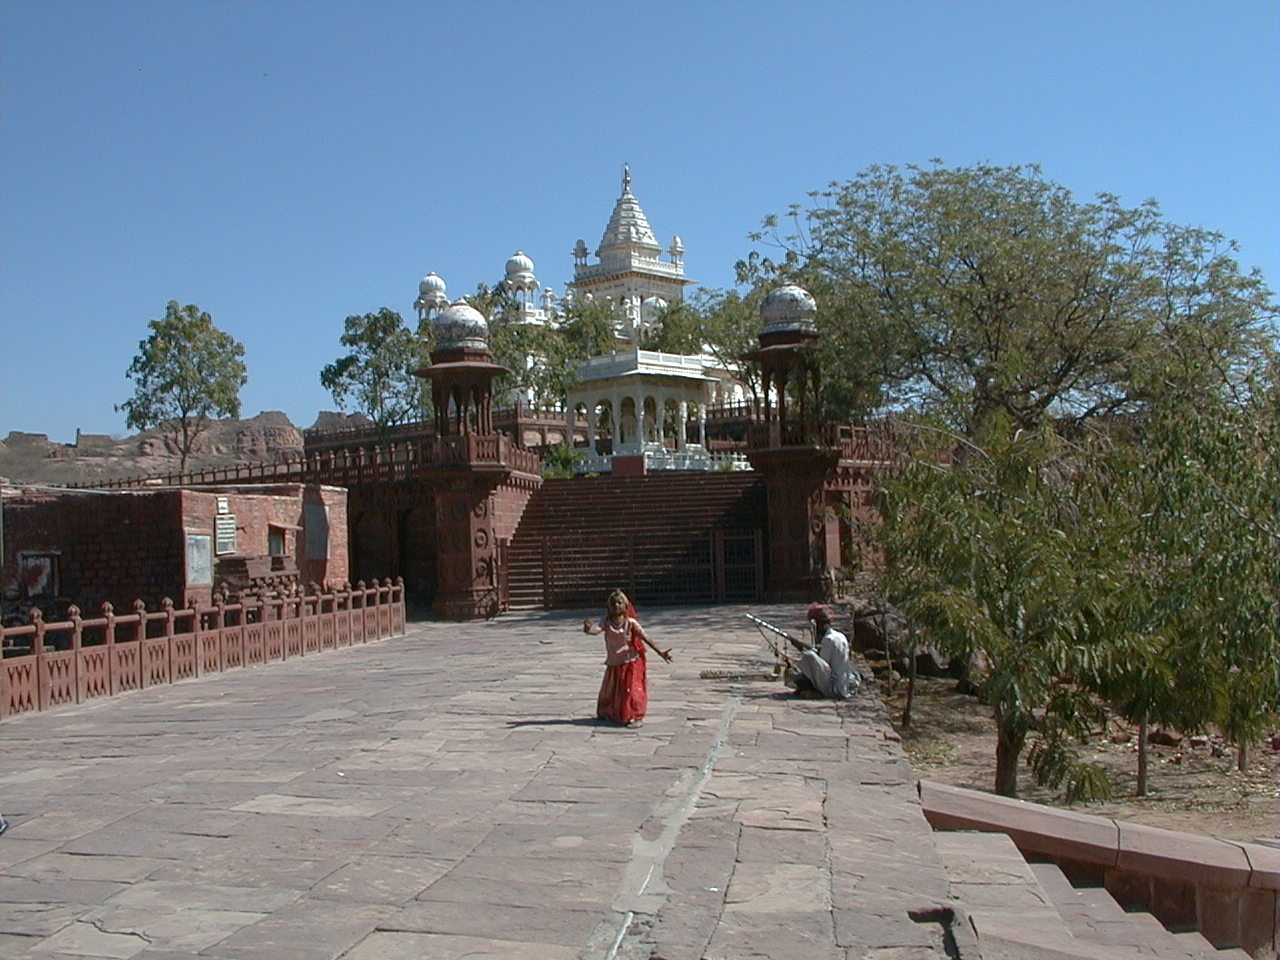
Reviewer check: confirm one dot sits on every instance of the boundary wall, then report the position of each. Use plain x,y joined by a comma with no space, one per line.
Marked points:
80,658
1228,891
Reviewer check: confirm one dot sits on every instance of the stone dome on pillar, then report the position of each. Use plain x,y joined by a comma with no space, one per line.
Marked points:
788,310
461,325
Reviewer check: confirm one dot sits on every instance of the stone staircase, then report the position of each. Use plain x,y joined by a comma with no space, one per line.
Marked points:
668,538
1002,855
1031,911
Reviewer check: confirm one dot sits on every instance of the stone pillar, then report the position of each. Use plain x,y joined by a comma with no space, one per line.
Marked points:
804,531
466,551
682,432
640,435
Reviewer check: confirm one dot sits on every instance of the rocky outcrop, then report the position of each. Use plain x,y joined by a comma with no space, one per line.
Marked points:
34,458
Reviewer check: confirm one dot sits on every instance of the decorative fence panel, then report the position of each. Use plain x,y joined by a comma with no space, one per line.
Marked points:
255,646
184,661
95,673
273,632
155,661
57,672
82,659
126,666
294,637
210,642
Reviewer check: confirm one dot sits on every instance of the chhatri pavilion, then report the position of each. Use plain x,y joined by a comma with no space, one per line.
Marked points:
644,410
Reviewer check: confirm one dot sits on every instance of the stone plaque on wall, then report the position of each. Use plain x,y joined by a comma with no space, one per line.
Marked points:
315,518
224,527
199,560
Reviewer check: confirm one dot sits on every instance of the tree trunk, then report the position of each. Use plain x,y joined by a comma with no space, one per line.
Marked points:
1009,744
911,682
1242,756
1142,758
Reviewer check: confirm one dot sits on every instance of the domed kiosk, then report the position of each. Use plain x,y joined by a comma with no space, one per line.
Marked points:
810,478
477,477
788,368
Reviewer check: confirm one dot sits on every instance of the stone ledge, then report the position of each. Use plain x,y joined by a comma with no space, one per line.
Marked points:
1181,856
1103,841
1225,889
1033,828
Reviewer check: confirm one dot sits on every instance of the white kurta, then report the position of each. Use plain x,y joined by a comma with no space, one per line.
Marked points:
827,668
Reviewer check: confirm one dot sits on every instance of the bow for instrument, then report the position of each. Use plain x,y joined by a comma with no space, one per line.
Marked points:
763,625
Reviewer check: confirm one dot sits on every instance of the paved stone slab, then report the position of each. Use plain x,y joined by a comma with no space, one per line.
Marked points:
84,939
398,800
190,928
397,945
56,868
307,930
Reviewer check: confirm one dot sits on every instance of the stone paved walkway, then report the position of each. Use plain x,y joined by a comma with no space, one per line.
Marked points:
450,794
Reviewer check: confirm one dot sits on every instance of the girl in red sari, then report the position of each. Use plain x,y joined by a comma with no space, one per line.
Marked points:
624,692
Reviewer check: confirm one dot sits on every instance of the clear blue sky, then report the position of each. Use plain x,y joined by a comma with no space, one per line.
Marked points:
286,164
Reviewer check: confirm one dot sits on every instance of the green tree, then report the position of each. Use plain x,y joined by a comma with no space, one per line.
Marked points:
963,291
986,553
186,372
729,328
376,376
1089,362
1214,491
589,327
678,330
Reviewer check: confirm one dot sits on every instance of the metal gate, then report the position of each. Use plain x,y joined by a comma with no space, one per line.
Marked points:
720,566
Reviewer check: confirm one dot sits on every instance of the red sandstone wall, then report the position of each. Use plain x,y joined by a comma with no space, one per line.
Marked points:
509,502
337,569
132,545
117,547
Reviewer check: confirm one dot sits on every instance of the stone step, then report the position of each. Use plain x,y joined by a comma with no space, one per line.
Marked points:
1194,942
670,521
1092,914
1031,912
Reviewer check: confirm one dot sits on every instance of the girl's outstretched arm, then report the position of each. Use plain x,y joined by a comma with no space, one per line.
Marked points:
664,654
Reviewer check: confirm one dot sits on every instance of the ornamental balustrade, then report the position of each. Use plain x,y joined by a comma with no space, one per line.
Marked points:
350,466
82,658
508,419
873,443
494,448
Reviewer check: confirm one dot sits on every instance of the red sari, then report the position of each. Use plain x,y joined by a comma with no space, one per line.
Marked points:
624,692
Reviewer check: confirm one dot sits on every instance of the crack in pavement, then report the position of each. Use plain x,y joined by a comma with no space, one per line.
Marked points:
643,890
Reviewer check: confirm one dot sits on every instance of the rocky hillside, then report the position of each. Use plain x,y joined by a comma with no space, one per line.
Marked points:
34,458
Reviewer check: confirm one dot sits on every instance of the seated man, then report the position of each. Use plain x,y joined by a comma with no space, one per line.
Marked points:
823,668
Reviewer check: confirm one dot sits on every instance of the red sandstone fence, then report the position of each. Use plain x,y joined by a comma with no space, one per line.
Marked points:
350,467
81,658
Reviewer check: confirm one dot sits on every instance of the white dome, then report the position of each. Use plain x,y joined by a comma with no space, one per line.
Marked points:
431,285
789,308
460,325
519,265
650,307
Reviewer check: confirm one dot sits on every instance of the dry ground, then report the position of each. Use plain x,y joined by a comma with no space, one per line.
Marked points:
952,740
